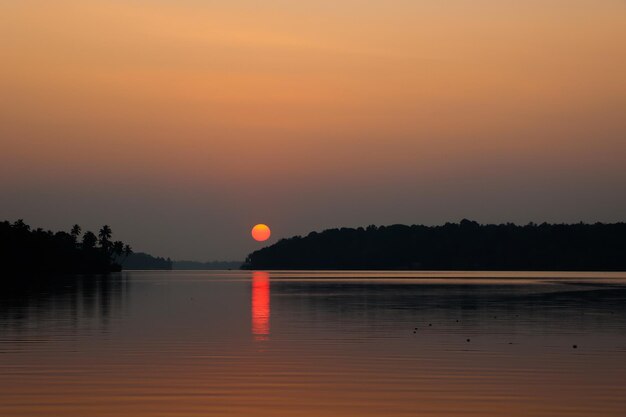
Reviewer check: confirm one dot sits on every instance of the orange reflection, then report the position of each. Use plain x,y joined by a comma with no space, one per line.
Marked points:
260,305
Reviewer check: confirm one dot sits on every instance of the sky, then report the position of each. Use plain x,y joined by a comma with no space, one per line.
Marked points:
183,123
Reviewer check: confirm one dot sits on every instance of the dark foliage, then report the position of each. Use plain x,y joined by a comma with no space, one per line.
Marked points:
43,251
144,261
463,246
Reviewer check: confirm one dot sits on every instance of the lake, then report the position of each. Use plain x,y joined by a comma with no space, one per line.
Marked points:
243,343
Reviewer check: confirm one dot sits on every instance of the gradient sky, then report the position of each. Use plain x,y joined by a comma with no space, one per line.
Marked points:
183,123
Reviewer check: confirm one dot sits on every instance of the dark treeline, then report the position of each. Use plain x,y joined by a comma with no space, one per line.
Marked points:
463,246
23,249
144,261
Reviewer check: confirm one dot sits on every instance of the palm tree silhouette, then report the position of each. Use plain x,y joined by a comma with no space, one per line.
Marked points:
118,248
76,230
104,236
105,233
127,251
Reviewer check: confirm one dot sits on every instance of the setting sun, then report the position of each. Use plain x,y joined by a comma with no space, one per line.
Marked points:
261,232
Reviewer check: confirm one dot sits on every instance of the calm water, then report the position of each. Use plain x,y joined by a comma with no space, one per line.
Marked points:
316,344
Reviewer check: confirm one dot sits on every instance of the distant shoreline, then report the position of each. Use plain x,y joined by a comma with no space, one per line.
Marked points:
464,246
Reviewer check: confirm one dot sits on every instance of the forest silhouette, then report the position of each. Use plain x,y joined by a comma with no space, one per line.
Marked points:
23,249
454,246
145,261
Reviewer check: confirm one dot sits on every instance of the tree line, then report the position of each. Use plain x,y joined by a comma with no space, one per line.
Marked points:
144,261
454,246
23,249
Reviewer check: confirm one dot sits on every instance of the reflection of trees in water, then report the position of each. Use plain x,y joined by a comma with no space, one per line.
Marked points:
63,300
553,304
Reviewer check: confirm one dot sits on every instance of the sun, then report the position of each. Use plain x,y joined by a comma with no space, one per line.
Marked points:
261,232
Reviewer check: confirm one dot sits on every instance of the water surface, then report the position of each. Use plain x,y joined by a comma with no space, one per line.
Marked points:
185,343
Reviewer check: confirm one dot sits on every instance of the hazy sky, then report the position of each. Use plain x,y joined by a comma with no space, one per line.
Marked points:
182,123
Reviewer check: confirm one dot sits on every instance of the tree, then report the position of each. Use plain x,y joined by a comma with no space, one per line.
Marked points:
118,248
76,230
127,251
20,225
105,238
105,233
89,240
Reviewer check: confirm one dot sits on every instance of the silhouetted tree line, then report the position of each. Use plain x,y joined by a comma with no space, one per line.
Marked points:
26,250
463,246
140,260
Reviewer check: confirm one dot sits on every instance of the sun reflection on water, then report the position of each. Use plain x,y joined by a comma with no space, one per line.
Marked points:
260,305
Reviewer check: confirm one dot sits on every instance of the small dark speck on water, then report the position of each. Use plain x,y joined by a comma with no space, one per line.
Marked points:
430,324
575,346
468,340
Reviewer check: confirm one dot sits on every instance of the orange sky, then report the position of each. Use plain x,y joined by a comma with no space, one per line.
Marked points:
307,115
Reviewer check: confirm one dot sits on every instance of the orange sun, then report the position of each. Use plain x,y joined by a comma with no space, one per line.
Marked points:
261,232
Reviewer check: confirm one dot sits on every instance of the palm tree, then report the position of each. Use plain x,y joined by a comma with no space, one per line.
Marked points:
118,248
105,238
76,230
105,233
127,251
